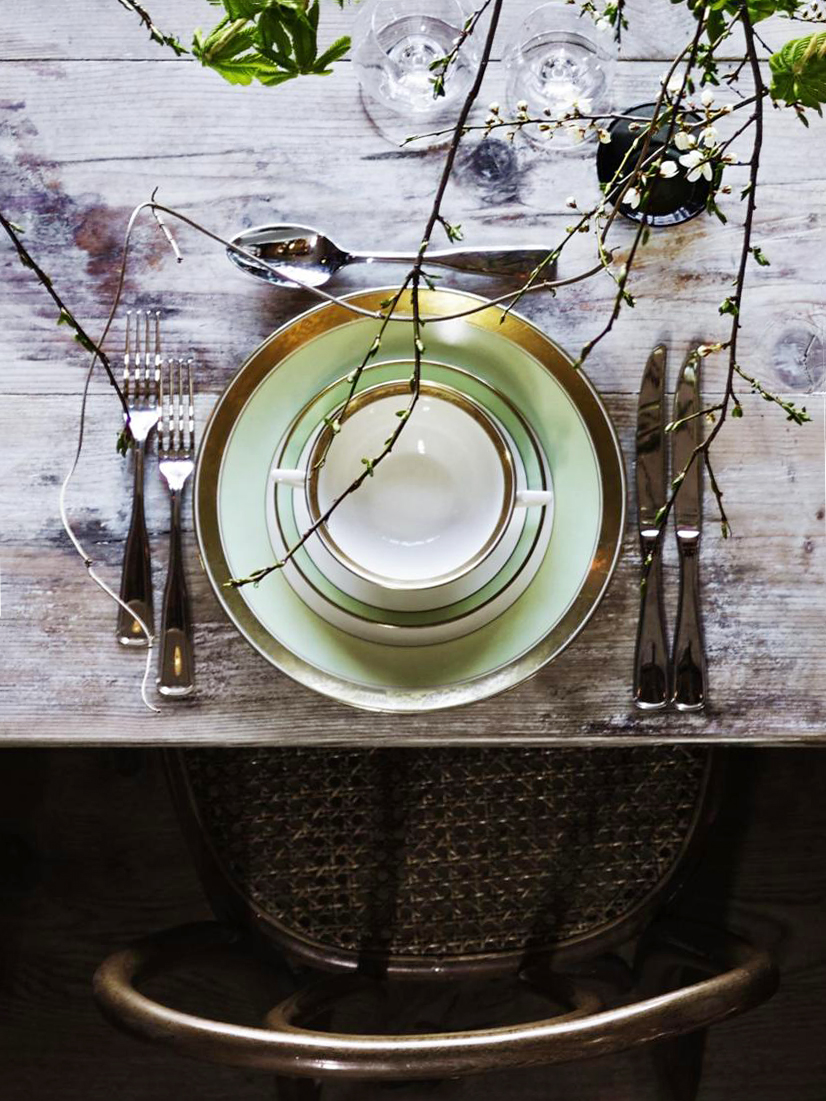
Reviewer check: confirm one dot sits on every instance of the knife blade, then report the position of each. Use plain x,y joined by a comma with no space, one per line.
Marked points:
651,671
689,660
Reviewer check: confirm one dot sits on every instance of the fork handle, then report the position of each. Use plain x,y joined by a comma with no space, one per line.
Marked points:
136,578
176,668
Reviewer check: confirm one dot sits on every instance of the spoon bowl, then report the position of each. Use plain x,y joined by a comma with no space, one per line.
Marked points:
298,251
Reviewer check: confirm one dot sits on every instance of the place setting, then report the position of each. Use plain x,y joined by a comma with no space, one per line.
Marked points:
483,541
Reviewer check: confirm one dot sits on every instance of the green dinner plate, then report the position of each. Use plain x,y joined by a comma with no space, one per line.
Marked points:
574,432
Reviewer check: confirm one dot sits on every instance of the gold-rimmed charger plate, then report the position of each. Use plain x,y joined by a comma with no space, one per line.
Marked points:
573,428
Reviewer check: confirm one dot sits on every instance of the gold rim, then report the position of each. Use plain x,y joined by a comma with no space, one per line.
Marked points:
461,401
435,304
541,460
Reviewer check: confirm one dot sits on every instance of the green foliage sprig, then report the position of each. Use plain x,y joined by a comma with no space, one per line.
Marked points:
270,41
799,72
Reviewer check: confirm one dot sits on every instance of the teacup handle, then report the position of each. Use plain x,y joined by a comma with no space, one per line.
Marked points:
525,498
533,498
295,478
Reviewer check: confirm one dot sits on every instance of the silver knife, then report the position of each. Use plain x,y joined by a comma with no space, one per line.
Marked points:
689,659
651,673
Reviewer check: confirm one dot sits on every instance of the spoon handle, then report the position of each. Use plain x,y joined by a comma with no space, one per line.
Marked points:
511,262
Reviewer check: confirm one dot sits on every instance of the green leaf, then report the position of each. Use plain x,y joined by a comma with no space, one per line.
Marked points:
241,70
232,45
799,71
304,43
274,77
272,33
338,49
760,256
244,9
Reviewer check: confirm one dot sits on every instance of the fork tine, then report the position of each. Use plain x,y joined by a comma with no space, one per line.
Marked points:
137,374
146,368
175,389
181,406
191,378
126,356
170,409
158,357
161,409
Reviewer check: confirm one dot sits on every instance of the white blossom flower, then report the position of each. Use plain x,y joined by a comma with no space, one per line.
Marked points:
602,24
632,198
571,202
697,165
710,137
727,110
494,108
707,97
604,136
668,169
683,140
522,106
675,85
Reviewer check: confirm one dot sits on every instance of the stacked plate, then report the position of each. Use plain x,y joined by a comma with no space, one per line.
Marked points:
478,548
445,536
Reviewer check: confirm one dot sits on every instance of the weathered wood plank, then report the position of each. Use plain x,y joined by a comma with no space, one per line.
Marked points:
74,199
100,29
65,679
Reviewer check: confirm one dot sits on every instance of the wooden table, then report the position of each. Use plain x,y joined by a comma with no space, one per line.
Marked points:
93,116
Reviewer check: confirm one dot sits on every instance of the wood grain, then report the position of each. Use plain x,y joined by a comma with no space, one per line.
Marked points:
84,140
102,29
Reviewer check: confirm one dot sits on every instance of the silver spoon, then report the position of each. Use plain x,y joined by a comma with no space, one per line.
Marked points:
302,253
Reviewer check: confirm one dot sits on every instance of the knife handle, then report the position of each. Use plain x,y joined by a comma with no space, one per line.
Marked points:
651,679
690,672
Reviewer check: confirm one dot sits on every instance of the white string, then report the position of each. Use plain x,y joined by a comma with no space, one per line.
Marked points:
64,516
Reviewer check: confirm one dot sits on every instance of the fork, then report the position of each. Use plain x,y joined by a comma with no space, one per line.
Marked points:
176,451
141,383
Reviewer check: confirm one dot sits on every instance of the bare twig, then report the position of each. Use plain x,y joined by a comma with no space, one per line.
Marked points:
65,315
155,33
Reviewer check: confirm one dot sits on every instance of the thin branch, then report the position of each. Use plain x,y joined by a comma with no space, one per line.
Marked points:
65,315
730,400
155,33
441,66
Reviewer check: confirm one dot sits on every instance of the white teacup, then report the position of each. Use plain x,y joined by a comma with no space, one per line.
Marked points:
435,508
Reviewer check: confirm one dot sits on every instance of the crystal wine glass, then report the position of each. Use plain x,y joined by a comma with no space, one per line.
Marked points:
395,46
559,58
